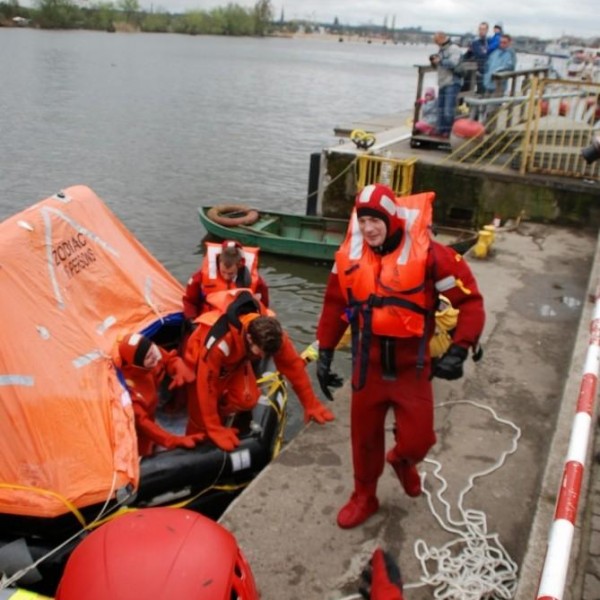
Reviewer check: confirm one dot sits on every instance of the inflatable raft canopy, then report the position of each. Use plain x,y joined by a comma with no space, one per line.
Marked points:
72,279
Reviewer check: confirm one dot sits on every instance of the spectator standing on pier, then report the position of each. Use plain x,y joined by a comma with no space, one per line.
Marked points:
449,82
387,277
479,53
493,42
502,59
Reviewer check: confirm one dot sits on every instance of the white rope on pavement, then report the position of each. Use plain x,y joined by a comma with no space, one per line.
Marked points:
475,565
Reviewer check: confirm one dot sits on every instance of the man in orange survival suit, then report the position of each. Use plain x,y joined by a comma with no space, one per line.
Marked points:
144,365
222,349
385,281
225,266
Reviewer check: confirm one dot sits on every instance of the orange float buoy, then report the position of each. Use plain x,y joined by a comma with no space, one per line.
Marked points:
465,134
468,128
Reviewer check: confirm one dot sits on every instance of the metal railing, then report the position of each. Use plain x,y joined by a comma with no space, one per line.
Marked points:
541,127
396,173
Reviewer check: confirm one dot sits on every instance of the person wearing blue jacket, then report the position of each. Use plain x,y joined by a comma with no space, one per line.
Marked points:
503,58
493,42
478,51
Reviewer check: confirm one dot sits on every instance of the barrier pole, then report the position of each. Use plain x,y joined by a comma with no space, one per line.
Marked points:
556,562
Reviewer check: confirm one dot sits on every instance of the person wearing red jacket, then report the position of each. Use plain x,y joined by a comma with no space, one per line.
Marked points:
144,365
225,266
222,350
385,282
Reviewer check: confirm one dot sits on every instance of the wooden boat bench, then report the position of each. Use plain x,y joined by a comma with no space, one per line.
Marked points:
263,224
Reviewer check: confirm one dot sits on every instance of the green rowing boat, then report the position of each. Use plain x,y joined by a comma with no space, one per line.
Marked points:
301,236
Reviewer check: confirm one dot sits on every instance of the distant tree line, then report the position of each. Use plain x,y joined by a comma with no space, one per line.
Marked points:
126,15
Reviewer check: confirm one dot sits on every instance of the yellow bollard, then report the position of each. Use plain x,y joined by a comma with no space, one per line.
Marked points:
481,248
492,230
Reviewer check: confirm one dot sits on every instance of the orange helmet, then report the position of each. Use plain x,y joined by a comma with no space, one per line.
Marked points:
158,553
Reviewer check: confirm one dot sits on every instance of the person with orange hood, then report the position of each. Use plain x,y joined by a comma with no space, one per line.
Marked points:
144,365
238,332
387,277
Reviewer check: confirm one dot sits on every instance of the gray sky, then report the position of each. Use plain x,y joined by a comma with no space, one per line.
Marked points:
540,18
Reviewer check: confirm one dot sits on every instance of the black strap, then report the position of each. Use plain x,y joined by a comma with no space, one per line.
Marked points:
244,304
243,279
381,301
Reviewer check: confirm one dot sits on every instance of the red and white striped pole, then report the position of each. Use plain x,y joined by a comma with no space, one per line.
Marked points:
556,563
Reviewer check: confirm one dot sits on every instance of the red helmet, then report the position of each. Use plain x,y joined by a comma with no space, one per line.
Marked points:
133,349
378,201
231,244
158,553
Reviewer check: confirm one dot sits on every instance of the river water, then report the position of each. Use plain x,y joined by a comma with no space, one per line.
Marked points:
159,124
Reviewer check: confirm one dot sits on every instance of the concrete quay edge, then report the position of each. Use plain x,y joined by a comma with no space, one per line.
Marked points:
532,565
285,521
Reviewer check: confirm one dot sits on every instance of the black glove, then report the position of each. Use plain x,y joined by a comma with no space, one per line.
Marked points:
450,366
326,378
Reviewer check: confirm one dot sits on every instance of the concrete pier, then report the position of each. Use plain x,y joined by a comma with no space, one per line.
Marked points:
468,194
537,285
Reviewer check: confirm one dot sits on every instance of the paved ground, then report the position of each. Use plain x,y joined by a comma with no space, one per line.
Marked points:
536,289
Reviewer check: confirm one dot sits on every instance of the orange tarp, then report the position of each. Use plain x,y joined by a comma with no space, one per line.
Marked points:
72,279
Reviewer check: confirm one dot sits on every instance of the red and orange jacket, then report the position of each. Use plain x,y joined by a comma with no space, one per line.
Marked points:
360,278
215,362
208,280
143,385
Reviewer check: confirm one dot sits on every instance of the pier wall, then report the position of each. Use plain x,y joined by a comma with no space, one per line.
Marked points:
466,195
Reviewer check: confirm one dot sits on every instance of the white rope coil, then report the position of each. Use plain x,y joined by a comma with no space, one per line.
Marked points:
475,565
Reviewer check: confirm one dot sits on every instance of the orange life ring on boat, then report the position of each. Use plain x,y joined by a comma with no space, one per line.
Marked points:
231,215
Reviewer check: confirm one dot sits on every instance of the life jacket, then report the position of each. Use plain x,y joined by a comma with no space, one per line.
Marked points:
247,276
230,310
386,295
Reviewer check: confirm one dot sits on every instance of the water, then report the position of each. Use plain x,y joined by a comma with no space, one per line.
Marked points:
160,124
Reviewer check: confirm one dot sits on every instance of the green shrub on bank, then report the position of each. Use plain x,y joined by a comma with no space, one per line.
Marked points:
232,19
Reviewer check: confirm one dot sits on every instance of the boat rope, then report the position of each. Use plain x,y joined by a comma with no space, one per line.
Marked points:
108,513
331,181
29,488
6,582
475,564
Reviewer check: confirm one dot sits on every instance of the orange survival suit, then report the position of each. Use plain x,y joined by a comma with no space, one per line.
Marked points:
225,380
208,280
388,295
143,385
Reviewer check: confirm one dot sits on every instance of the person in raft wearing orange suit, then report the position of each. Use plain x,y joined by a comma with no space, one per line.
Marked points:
238,332
385,282
144,365
225,266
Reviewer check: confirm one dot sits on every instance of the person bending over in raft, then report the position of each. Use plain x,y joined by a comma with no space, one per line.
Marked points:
225,266
386,279
237,333
144,366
